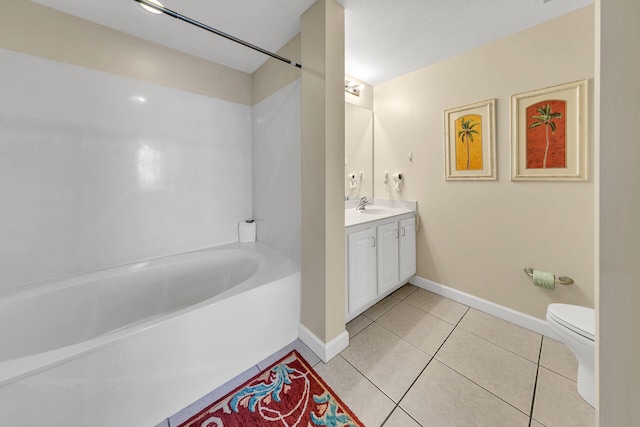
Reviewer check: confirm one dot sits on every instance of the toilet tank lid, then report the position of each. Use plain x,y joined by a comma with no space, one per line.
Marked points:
581,320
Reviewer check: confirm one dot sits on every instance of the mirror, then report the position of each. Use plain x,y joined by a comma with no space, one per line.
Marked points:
358,147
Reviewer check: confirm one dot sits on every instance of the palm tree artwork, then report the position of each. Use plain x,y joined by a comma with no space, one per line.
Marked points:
467,127
545,116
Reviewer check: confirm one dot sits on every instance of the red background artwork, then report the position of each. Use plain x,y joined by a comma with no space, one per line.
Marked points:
537,140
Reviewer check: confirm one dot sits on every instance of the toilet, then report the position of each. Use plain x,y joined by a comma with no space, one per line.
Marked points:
575,327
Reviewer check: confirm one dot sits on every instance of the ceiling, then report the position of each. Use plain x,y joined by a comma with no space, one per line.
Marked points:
384,39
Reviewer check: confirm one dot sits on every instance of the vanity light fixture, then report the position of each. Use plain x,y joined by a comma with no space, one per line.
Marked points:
353,87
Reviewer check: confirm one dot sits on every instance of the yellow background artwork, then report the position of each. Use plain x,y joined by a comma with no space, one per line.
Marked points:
475,147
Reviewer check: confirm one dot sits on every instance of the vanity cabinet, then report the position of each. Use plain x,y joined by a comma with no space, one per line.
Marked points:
381,256
407,249
361,269
387,256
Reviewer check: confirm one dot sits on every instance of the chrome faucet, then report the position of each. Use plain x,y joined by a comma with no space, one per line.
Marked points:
364,201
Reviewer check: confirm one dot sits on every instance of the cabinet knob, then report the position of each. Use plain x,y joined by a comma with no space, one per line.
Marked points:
373,241
403,232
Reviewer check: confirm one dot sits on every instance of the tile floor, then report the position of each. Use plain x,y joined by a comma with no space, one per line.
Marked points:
419,359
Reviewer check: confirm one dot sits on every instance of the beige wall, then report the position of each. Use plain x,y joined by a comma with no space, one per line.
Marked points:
619,291
274,74
478,237
40,31
323,255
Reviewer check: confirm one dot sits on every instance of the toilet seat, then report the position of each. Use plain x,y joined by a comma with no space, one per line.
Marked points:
580,320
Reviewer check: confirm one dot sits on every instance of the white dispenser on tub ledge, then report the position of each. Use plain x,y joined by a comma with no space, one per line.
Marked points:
247,231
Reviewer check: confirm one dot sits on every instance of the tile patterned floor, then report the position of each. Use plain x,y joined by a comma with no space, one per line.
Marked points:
417,359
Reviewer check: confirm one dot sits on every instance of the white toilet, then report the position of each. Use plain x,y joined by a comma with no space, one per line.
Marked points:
575,326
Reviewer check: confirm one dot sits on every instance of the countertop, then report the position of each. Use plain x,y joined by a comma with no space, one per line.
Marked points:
378,210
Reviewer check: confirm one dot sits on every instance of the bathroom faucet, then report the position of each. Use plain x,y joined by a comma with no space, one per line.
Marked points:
363,202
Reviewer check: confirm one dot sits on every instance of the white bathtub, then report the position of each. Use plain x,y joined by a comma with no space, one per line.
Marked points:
131,345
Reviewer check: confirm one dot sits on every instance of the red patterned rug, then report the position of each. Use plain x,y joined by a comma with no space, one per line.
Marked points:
287,394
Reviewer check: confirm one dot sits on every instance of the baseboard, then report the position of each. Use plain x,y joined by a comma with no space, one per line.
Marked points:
526,321
325,351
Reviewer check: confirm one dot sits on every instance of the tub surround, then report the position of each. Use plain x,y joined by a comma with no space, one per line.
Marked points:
276,179
94,164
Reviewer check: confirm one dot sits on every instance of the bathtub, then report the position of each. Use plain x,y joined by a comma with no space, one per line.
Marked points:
133,344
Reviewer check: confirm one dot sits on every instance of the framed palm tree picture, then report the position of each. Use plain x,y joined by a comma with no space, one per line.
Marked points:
470,148
549,133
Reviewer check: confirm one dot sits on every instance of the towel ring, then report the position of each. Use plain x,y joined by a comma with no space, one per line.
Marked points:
562,280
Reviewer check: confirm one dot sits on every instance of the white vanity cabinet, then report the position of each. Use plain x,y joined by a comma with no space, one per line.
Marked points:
388,274
361,269
381,256
407,249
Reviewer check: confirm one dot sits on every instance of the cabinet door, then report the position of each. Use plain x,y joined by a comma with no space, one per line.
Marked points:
387,256
361,247
407,248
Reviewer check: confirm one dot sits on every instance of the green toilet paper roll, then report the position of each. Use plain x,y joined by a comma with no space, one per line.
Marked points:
544,279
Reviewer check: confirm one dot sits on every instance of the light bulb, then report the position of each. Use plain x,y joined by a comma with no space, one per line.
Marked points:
151,9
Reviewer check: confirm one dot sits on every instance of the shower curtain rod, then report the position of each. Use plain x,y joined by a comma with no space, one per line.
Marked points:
215,31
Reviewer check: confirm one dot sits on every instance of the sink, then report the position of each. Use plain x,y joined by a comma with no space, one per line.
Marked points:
375,210
371,213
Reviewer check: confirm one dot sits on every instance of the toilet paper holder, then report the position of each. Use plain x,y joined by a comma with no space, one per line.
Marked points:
562,280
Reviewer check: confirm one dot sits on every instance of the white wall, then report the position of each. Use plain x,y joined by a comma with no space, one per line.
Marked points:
276,170
91,177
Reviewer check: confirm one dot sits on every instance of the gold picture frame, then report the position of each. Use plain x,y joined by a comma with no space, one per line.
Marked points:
549,140
470,145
